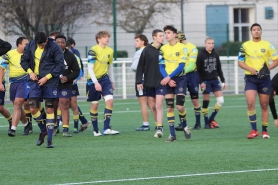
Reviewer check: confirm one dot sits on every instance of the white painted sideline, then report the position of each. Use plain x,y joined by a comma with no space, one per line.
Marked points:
172,176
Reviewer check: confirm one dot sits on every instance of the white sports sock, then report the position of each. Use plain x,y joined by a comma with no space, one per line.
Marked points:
25,124
13,128
145,123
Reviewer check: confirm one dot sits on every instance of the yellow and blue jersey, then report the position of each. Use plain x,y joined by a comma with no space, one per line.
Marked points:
38,55
172,56
16,72
192,55
255,54
101,58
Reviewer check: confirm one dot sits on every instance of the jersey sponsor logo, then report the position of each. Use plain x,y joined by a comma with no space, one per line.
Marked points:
265,89
64,93
108,56
262,50
194,50
185,50
74,92
210,64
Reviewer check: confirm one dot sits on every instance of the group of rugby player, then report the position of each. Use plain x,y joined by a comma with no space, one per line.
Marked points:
46,69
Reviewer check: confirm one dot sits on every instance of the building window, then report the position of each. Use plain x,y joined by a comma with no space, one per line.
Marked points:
241,24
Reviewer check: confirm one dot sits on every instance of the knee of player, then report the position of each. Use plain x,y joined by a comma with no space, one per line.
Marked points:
109,99
180,100
94,105
220,101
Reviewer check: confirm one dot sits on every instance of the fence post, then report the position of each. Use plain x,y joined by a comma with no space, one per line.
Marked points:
236,76
124,79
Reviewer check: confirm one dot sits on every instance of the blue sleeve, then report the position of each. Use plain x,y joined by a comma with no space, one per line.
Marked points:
162,64
241,54
92,57
162,70
26,57
177,70
58,57
4,61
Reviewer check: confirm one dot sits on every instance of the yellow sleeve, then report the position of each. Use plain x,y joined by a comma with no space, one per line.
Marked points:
184,55
48,76
29,71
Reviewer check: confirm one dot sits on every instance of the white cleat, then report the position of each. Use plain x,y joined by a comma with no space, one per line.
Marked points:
110,132
265,135
187,132
96,134
158,134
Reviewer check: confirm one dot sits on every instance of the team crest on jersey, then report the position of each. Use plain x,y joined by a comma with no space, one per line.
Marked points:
177,54
55,92
263,50
180,89
64,93
265,89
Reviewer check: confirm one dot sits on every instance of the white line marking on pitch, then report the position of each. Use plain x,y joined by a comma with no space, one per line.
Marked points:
172,176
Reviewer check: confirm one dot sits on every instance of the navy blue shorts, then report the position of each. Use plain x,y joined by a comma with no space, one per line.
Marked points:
65,93
2,95
180,88
75,91
44,92
193,82
212,86
262,86
19,90
161,90
93,95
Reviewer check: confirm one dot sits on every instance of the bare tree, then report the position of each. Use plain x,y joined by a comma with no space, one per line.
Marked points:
26,17
134,15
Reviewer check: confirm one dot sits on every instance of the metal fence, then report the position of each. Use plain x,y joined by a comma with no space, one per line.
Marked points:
125,78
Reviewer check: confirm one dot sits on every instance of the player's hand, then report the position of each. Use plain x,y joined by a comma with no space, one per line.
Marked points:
276,122
139,86
74,81
33,76
2,88
64,79
223,85
172,83
165,80
42,81
203,86
98,86
253,71
113,86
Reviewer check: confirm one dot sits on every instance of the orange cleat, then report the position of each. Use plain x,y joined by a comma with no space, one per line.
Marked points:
213,124
253,134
